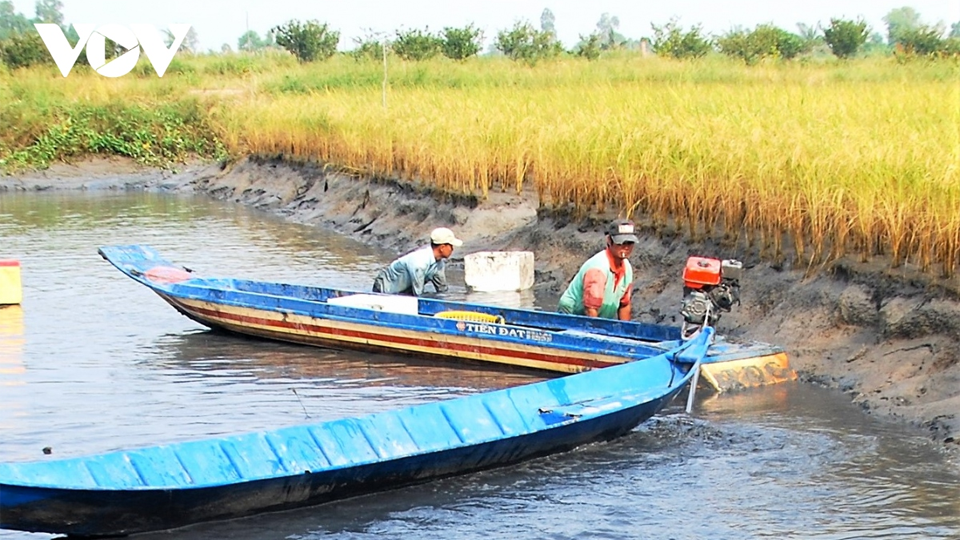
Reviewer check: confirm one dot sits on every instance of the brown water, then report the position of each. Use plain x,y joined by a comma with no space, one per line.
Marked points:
93,362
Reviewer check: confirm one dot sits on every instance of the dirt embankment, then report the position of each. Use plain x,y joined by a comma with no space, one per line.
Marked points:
890,341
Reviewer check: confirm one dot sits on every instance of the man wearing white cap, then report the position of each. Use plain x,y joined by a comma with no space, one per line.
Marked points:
410,273
603,286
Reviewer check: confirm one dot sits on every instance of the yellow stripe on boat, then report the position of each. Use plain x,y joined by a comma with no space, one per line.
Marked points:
470,316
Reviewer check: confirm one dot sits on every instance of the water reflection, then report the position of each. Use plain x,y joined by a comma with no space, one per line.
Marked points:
12,369
877,475
221,351
209,236
11,345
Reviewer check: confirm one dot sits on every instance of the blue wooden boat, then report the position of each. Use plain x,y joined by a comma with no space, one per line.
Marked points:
440,328
169,486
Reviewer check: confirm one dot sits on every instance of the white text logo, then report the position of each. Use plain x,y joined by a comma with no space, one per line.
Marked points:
94,37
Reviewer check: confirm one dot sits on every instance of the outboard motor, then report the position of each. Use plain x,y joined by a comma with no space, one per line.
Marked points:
710,287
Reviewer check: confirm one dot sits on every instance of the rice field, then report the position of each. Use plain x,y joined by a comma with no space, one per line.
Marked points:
816,159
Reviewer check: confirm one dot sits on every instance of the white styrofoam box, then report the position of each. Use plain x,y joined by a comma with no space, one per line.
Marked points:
407,305
498,270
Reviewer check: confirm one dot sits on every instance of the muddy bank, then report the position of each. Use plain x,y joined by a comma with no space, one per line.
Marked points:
890,341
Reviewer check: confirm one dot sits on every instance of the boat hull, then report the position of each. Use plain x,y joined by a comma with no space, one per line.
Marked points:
93,513
380,337
170,486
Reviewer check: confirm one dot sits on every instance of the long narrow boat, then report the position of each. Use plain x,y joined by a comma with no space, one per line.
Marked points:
404,324
169,486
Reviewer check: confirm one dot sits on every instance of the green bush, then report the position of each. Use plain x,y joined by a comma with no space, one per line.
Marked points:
416,45
369,48
24,50
670,40
589,47
920,41
735,43
461,43
307,41
788,45
764,41
845,37
951,47
524,42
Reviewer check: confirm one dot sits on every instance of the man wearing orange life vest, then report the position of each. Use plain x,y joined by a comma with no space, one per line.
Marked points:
604,283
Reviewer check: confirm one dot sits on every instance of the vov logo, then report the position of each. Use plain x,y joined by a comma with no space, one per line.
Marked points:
94,37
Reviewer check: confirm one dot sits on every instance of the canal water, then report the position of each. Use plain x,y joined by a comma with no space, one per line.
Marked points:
93,362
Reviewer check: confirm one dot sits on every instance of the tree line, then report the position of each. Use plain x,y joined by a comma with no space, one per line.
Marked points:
312,40
844,38
21,46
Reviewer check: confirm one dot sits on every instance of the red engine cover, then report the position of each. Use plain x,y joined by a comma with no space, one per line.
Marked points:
701,271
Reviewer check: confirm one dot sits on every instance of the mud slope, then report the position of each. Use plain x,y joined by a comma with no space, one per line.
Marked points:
891,342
